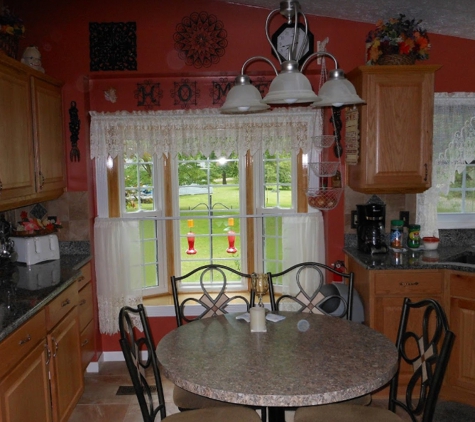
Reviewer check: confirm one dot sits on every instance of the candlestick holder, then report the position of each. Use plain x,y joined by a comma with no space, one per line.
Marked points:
260,285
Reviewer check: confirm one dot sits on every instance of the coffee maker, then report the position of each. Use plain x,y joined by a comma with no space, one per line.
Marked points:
370,228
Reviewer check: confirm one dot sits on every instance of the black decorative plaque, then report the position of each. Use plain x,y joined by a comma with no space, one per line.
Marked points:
148,94
200,39
113,46
185,93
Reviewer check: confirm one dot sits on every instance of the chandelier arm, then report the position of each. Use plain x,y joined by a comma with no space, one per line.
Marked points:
255,58
269,17
318,54
297,55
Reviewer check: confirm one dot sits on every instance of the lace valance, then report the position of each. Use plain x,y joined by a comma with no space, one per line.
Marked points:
207,130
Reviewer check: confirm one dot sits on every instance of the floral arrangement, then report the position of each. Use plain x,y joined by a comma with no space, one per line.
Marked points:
10,24
31,226
397,36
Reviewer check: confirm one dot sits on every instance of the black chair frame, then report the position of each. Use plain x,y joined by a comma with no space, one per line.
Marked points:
213,306
134,346
309,306
431,362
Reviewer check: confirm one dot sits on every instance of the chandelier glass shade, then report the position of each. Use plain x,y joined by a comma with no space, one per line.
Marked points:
290,86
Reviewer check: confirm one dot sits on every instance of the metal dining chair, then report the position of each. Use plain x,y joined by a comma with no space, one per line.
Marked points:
426,347
139,353
215,299
316,296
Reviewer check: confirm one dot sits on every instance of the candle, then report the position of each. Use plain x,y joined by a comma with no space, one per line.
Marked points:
190,223
258,320
231,222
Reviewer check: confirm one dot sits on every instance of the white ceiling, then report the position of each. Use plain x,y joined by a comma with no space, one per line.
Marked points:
446,17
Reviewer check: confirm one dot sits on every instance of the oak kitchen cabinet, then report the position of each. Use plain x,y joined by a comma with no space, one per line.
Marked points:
382,293
86,315
460,383
43,361
395,125
32,163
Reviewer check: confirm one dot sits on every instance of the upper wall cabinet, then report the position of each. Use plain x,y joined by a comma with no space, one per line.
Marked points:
32,159
395,129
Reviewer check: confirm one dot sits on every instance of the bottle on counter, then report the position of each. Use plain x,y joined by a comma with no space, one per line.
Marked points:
397,229
413,237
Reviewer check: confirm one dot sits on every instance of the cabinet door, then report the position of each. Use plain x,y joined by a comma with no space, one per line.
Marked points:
395,129
461,371
67,383
25,392
17,172
50,152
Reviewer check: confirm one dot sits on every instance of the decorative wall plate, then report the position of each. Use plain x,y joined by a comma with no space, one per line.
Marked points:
200,39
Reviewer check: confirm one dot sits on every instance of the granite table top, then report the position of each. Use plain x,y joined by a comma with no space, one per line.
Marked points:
26,289
333,360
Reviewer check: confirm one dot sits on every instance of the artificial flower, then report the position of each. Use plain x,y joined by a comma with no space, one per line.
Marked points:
397,36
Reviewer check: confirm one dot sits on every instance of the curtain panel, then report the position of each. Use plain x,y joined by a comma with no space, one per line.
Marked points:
207,130
453,147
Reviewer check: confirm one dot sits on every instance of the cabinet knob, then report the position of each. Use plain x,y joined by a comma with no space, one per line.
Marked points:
42,180
426,174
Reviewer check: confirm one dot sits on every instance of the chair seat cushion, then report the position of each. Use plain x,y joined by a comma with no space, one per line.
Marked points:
361,401
184,399
344,413
232,413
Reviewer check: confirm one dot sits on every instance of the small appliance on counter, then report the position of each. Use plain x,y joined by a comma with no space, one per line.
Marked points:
370,228
32,250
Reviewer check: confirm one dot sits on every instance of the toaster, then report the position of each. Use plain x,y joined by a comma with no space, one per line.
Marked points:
32,250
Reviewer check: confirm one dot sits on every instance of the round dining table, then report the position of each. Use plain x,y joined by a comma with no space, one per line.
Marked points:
302,360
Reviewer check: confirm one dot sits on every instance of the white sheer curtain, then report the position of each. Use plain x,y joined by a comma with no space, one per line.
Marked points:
118,269
207,130
453,147
303,240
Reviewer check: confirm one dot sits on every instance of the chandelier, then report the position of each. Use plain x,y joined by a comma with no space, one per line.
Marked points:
290,86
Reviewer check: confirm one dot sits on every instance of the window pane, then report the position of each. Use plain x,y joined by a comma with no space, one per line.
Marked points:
138,182
278,180
148,229
452,202
208,195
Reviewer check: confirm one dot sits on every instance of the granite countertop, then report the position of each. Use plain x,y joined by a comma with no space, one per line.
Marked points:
285,366
24,290
411,259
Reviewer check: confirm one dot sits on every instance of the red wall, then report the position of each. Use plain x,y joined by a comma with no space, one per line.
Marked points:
61,31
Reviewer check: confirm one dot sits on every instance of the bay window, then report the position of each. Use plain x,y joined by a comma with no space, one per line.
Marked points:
200,187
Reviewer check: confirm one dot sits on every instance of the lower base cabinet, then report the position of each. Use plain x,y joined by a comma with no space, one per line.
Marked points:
25,392
65,367
460,385
42,362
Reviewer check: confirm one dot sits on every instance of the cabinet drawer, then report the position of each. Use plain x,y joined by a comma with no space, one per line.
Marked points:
87,345
85,276
462,285
61,305
85,307
18,344
406,283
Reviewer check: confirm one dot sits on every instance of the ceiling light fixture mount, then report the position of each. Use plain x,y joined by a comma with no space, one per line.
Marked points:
291,86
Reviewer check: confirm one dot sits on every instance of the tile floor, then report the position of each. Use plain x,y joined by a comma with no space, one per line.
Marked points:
99,402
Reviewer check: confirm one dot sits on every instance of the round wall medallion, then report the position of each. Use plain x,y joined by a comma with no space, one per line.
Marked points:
200,39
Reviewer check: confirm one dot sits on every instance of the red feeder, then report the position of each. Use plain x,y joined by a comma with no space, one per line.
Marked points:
191,240
231,237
